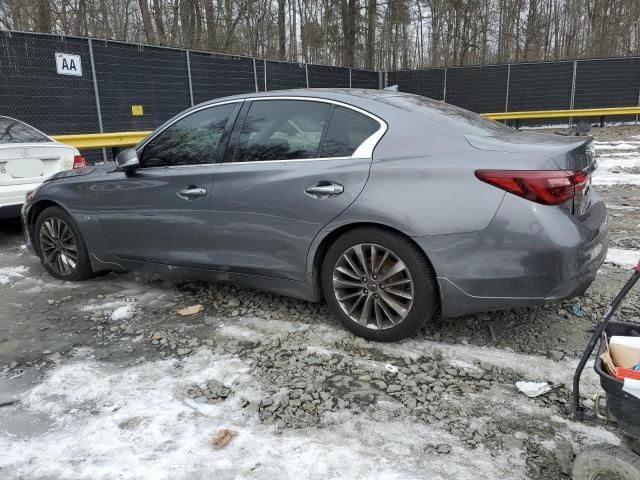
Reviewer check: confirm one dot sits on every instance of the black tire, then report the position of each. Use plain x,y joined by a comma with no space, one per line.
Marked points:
425,301
82,270
606,461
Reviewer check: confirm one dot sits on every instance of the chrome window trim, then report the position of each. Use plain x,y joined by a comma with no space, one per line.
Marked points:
364,151
258,162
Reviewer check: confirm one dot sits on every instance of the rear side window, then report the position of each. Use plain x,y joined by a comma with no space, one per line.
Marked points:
192,140
347,130
282,130
14,131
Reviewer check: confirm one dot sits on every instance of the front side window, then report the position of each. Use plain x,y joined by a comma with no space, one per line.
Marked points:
15,131
192,140
282,130
347,130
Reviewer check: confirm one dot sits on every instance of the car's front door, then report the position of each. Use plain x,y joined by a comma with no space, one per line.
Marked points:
160,213
295,165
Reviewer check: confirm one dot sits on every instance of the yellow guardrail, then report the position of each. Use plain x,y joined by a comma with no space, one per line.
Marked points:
127,139
582,112
100,140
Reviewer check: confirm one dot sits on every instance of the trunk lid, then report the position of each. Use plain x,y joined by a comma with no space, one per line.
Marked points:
33,162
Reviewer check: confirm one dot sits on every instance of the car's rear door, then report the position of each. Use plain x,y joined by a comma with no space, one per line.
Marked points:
294,164
160,212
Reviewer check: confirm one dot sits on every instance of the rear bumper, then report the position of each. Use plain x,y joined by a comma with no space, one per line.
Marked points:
15,194
12,197
10,211
530,254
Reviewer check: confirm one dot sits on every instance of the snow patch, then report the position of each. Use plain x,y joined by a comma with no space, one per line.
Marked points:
122,313
258,328
9,274
623,257
133,423
617,168
616,145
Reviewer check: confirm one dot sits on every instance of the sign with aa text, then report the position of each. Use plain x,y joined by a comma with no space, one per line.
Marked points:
67,64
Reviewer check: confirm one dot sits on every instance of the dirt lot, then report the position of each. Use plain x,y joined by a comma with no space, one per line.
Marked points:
102,379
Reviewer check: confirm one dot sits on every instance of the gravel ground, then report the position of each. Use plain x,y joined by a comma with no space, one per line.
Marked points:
103,379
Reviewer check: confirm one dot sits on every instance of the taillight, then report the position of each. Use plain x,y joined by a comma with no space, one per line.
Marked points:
548,187
79,162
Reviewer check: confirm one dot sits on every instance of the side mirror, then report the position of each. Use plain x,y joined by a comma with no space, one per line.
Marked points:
127,160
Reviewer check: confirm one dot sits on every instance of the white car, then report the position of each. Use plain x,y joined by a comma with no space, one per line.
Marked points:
27,158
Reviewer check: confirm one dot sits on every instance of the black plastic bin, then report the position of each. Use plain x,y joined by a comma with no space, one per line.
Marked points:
623,406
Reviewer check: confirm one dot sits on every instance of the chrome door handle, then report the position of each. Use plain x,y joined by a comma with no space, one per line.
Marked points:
192,193
325,189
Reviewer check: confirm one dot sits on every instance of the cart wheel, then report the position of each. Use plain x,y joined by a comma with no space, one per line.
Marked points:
606,462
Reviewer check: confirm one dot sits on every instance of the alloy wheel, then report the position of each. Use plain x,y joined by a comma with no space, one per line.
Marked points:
58,246
373,286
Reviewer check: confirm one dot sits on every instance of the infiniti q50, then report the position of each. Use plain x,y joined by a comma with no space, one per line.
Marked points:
390,206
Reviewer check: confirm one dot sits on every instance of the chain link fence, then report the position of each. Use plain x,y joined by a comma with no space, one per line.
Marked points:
599,83
125,86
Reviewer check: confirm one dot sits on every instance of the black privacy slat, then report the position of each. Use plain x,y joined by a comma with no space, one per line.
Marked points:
215,76
153,77
607,83
32,91
479,89
540,86
281,75
429,82
365,78
321,76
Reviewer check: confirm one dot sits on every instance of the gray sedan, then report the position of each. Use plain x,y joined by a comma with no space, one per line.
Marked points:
390,206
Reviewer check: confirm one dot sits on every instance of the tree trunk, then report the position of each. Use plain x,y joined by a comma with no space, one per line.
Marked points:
282,31
371,34
146,21
157,16
211,24
349,32
43,18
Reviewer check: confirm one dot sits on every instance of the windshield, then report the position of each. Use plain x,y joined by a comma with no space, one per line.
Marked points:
462,120
15,131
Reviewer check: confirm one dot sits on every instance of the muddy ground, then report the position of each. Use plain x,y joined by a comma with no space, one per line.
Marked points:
103,379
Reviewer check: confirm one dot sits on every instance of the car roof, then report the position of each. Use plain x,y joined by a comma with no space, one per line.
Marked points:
338,94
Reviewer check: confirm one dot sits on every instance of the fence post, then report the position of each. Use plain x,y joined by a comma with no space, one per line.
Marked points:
264,63
506,101
444,90
255,74
96,95
349,77
306,74
380,81
189,76
573,89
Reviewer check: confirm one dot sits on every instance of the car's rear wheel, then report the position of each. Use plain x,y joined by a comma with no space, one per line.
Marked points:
379,284
60,246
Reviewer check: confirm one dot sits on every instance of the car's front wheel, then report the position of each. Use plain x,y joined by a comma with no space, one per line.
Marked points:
60,246
379,284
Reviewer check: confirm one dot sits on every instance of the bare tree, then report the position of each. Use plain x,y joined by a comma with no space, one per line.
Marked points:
379,34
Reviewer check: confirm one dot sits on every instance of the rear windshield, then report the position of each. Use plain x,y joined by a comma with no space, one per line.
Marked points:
462,120
14,131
